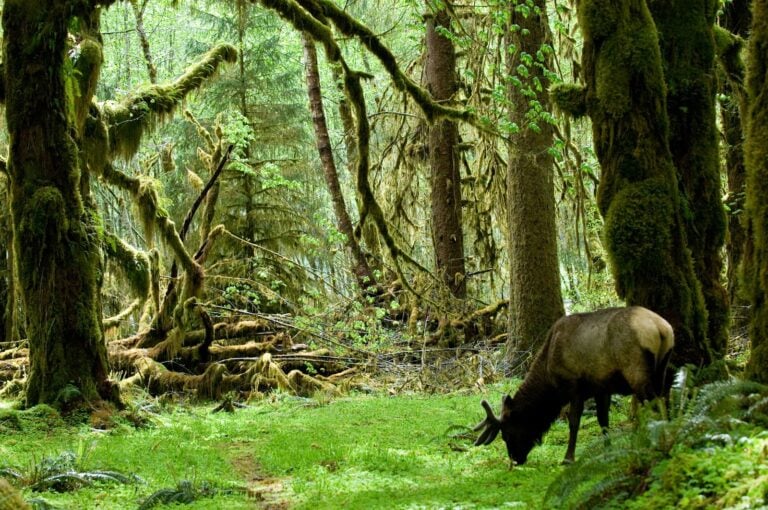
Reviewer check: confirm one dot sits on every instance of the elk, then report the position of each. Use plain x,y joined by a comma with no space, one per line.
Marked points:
612,351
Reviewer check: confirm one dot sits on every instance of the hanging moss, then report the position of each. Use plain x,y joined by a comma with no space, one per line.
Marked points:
312,18
140,112
134,264
154,217
87,66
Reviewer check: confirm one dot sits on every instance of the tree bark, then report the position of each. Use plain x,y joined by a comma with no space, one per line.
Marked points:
360,267
445,197
755,277
687,47
55,240
638,194
536,301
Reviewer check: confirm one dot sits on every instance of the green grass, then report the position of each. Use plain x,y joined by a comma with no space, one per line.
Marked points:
355,452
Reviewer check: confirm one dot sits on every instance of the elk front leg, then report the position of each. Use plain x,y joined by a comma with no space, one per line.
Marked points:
574,418
603,403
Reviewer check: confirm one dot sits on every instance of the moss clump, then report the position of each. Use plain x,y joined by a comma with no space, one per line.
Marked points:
638,228
570,99
10,499
38,418
728,47
598,19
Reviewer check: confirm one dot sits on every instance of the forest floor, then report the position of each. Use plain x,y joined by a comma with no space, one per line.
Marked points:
360,451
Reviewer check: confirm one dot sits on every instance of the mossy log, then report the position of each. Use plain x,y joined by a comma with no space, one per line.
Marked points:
16,352
264,374
224,331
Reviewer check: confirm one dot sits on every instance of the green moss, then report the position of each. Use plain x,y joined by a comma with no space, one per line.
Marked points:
728,47
148,204
638,228
95,142
687,46
612,83
10,499
638,196
570,99
87,66
755,269
45,214
143,110
40,418
134,264
599,19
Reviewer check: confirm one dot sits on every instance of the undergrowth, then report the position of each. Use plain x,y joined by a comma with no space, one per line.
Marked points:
711,453
405,451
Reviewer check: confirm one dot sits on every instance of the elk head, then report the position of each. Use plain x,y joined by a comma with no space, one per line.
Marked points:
517,437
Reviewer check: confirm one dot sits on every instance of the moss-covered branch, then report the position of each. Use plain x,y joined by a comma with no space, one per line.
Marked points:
570,98
141,111
134,264
304,17
311,16
351,27
154,217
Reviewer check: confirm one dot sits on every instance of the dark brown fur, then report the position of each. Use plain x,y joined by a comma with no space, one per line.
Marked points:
588,355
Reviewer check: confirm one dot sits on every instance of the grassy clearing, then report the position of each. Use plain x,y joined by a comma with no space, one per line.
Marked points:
356,452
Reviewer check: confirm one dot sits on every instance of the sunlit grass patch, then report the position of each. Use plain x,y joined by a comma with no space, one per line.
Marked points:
365,451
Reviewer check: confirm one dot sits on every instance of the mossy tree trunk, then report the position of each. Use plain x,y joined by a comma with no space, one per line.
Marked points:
737,19
445,197
686,39
535,298
369,236
638,194
56,243
360,267
755,277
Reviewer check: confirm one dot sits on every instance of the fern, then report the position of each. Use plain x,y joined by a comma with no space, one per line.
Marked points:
185,492
61,473
713,416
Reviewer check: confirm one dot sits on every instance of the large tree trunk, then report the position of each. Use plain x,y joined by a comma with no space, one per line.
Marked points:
756,158
56,245
360,266
447,234
535,298
688,53
737,19
638,194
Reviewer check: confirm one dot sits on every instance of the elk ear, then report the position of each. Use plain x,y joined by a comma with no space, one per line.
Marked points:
506,403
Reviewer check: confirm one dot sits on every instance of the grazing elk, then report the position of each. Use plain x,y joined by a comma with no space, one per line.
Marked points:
597,354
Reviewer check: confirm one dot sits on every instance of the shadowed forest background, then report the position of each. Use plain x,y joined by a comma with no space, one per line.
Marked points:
284,207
